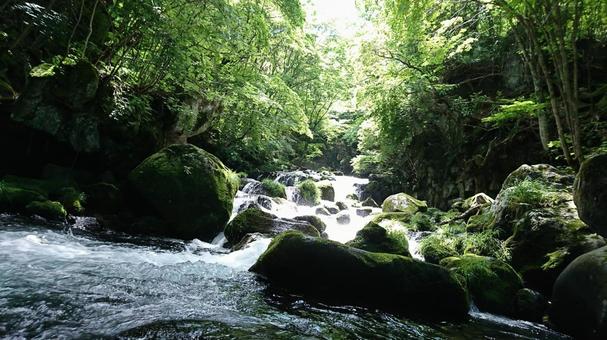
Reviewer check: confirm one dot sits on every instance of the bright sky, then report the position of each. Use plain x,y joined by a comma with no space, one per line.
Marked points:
341,14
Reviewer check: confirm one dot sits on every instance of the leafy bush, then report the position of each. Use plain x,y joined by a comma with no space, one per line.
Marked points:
309,192
273,189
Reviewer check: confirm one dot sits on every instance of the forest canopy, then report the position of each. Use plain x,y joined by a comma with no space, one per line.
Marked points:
422,94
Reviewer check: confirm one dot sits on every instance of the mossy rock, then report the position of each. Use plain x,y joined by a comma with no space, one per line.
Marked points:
544,242
579,295
77,84
309,194
273,189
48,209
189,188
590,193
254,220
400,217
377,239
72,199
492,284
403,203
327,192
313,220
14,199
337,274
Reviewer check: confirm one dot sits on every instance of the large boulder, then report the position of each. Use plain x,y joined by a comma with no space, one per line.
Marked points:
580,295
590,193
188,188
377,239
492,284
536,215
335,273
257,221
403,203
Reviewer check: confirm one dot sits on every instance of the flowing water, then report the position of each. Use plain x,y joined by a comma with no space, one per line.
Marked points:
76,281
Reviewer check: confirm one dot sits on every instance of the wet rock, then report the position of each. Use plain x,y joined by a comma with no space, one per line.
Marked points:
313,220
189,188
247,240
531,305
363,212
341,205
403,203
591,193
333,209
322,211
257,221
377,239
47,209
327,192
343,218
353,197
265,202
578,300
369,202
335,273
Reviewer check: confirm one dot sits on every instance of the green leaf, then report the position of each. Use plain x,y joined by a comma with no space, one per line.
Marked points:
43,70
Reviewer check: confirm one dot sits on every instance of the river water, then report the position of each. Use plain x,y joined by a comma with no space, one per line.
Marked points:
76,281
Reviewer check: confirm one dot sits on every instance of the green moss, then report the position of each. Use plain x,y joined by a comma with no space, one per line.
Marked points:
492,284
375,238
47,209
480,222
309,192
436,247
486,243
393,216
273,189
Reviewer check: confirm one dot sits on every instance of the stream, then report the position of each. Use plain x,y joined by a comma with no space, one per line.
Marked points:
78,281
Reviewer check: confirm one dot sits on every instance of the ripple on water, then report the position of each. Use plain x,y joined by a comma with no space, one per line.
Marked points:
57,284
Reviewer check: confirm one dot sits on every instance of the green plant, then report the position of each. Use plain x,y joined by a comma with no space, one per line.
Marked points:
273,189
309,192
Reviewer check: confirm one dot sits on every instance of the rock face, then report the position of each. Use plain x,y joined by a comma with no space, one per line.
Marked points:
327,192
257,221
336,273
492,284
376,239
578,300
590,193
403,203
189,188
